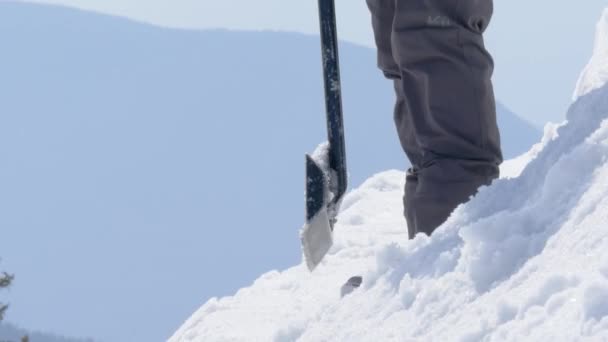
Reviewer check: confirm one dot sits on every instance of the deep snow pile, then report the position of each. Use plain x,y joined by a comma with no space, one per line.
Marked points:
526,259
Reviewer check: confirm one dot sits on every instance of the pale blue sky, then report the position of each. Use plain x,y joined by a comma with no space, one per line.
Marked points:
539,46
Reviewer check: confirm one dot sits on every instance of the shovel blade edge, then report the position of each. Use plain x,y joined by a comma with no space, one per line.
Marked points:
316,235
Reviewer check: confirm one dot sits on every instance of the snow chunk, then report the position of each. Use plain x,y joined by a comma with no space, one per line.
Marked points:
595,73
321,155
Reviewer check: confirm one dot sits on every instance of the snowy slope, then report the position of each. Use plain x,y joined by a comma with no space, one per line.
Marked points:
526,259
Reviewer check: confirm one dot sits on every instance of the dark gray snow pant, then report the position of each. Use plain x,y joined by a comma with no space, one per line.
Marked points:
445,113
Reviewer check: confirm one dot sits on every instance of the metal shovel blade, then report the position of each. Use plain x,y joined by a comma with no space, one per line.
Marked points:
316,235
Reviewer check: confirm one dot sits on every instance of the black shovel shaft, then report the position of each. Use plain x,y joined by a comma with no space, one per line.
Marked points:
333,95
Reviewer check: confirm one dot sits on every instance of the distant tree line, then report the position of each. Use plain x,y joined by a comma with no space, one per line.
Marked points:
5,281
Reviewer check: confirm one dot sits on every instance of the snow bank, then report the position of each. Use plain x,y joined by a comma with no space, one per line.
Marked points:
513,168
526,259
595,73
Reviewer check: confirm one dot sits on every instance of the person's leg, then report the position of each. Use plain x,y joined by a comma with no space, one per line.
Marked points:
383,13
447,101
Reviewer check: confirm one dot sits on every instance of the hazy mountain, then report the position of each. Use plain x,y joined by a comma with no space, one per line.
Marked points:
131,155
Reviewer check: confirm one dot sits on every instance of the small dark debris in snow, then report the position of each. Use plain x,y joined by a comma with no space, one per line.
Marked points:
352,284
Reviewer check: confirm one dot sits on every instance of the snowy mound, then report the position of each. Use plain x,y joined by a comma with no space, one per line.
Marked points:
526,259
595,73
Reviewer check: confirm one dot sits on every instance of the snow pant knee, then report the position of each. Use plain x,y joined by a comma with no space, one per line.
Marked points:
445,78
434,51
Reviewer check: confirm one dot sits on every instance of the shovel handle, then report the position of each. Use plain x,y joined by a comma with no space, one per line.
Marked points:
333,98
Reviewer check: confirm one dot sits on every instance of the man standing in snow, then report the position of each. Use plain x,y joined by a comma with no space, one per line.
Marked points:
445,111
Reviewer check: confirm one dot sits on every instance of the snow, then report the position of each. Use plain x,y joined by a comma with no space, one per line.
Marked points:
512,168
595,73
321,157
526,259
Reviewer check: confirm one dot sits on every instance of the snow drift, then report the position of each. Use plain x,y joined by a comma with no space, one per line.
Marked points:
526,259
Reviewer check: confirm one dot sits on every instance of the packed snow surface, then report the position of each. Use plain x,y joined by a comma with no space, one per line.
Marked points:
525,260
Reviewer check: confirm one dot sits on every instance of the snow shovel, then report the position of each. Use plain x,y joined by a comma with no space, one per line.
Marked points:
326,178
